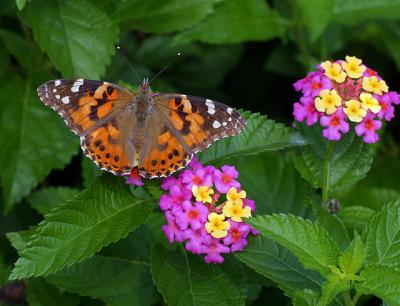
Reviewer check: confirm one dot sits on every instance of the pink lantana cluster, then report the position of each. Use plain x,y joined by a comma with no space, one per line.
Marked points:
206,208
341,92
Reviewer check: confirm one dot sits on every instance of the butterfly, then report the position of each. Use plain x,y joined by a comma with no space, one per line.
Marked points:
120,129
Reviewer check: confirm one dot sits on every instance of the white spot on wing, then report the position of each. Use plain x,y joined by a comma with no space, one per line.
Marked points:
57,82
58,97
210,107
77,84
229,110
216,124
65,100
54,90
224,123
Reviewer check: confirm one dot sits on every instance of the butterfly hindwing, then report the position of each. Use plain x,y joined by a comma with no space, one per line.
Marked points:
110,145
164,156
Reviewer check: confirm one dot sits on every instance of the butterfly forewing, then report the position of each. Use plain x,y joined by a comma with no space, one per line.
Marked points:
84,103
199,122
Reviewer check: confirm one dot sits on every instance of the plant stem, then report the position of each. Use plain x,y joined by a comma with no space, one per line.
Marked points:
347,298
326,170
355,298
300,36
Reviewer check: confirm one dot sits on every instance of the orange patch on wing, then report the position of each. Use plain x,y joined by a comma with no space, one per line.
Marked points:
163,138
87,100
187,106
98,94
176,121
113,131
164,163
80,116
114,95
108,155
104,109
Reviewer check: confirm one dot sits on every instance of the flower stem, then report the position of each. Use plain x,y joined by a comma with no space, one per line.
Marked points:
300,36
326,171
355,298
347,298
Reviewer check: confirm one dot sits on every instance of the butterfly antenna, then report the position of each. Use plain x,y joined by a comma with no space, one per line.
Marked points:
129,64
165,67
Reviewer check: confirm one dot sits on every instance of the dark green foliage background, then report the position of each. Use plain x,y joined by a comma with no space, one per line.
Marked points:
78,238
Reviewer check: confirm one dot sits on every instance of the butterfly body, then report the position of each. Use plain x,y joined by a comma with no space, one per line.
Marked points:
120,129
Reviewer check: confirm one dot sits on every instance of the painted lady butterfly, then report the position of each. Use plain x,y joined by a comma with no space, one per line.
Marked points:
120,129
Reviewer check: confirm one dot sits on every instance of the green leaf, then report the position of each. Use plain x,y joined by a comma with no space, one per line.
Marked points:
236,21
331,288
19,239
313,246
30,133
259,135
47,198
272,181
316,15
381,281
114,280
89,171
98,216
40,293
5,61
214,61
378,188
276,263
371,197
334,226
305,297
82,36
20,4
19,47
356,216
382,237
166,16
184,279
349,160
120,275
352,259
5,271
282,62
356,11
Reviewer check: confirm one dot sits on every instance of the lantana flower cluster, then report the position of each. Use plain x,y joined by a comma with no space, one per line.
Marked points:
341,92
206,209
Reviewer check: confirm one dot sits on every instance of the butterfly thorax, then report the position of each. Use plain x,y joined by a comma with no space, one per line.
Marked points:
143,106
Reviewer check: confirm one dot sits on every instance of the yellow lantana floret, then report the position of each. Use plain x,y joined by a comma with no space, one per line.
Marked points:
233,196
203,193
334,71
353,67
236,211
368,102
354,111
328,101
372,84
216,226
